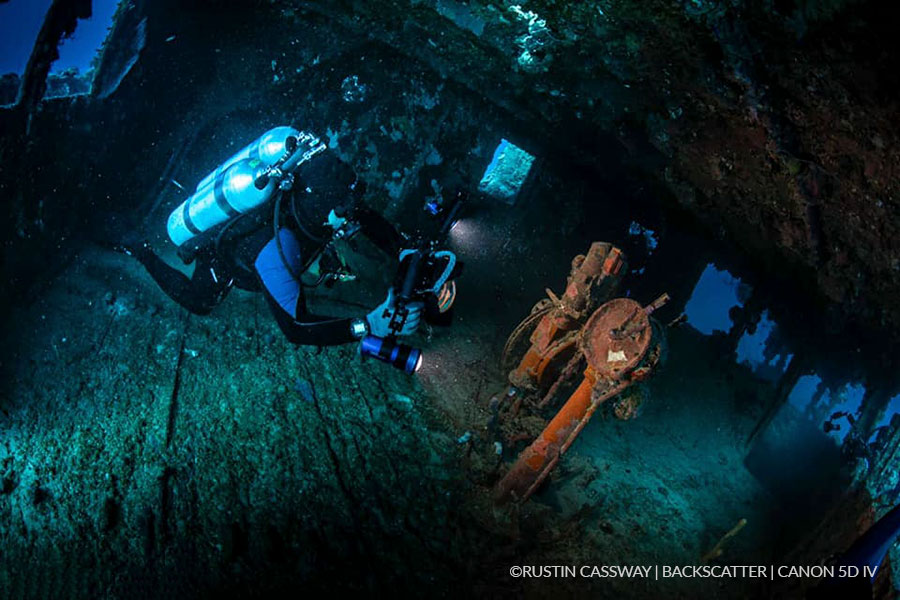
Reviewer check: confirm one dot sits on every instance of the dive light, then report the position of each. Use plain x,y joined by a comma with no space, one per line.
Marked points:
390,351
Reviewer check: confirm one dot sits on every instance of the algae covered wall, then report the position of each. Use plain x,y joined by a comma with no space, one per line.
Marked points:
770,122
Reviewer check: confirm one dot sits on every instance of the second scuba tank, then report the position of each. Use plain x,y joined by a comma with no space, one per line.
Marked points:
230,189
268,148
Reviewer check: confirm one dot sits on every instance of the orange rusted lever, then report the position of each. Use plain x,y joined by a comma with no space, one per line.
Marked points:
613,358
544,451
537,461
657,304
630,326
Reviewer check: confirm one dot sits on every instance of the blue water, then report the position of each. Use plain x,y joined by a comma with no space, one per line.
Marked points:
507,172
892,409
495,159
715,294
819,404
21,20
707,310
752,351
80,49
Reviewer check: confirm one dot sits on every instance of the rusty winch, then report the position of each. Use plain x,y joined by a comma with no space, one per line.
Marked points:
557,321
615,340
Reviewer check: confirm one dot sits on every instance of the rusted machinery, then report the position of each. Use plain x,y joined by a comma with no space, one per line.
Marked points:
618,343
557,321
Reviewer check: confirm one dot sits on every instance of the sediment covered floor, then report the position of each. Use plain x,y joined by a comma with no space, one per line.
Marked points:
149,450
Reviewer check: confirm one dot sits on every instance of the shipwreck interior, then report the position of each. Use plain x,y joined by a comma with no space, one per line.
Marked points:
739,155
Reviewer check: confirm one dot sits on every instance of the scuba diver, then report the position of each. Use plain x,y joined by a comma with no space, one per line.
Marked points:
266,219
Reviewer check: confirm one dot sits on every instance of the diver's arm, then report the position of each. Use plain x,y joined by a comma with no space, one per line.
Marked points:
378,229
314,330
284,294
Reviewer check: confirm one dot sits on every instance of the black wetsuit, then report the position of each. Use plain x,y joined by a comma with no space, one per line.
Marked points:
245,253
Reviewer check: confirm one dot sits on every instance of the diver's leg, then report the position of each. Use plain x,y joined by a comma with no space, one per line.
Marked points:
199,294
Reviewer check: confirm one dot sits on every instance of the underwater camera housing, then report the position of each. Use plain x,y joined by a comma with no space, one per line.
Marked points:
426,274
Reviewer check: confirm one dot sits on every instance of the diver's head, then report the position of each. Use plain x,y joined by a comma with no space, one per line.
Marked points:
326,183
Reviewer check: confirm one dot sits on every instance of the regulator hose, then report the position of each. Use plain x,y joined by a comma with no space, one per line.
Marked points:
300,225
298,277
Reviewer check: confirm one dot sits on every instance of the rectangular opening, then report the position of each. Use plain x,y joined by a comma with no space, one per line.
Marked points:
506,173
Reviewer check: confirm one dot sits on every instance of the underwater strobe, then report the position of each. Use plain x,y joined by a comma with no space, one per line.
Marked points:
390,351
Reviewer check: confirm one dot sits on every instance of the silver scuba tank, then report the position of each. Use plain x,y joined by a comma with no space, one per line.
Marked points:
268,148
230,189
